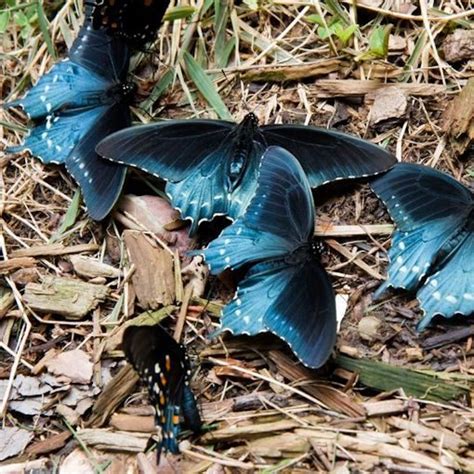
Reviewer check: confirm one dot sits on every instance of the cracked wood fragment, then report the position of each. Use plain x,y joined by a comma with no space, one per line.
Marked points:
153,279
71,298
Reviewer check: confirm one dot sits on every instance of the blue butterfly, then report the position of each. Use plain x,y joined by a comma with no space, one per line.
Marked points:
135,21
81,100
211,166
285,291
433,246
163,365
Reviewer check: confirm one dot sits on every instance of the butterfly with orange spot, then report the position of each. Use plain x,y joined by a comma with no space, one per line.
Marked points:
163,365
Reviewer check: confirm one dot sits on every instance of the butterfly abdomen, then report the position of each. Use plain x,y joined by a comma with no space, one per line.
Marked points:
122,92
169,422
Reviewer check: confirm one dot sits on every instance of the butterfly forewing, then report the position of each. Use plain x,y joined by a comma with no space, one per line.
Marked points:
328,155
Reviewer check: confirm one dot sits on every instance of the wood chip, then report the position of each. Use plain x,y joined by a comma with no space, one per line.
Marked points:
142,424
71,298
294,72
14,263
13,441
459,45
153,279
92,268
6,300
114,441
388,103
458,120
54,249
328,88
75,365
50,444
115,392
329,396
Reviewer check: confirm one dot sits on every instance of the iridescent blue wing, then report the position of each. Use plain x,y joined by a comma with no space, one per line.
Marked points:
163,365
328,155
53,140
279,218
65,85
193,157
95,63
450,290
296,303
101,181
169,150
293,300
428,208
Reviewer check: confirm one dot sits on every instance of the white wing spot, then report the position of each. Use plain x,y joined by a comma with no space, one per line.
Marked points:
58,148
49,142
238,312
221,252
238,301
434,282
86,173
415,269
437,295
451,299
49,106
246,319
157,368
43,98
403,269
401,246
468,296
81,165
227,260
400,259
44,135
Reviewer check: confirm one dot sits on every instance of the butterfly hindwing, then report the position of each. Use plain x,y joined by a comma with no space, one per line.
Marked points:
450,290
279,217
162,364
328,155
101,181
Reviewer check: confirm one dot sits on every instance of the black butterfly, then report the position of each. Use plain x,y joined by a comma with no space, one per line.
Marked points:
136,21
163,365
286,290
433,247
81,100
211,166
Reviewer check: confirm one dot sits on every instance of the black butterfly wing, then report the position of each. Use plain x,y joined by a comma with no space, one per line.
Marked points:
101,181
107,57
279,218
328,155
169,150
136,21
450,290
428,208
162,363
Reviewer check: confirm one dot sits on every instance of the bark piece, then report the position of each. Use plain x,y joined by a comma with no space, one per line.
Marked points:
13,441
459,45
71,298
153,279
459,119
389,103
92,268
75,365
13,264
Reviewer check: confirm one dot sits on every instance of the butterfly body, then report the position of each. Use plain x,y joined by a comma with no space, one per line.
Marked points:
163,365
285,289
78,102
433,244
211,165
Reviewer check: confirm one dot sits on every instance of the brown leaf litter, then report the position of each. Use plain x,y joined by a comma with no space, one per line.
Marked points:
391,400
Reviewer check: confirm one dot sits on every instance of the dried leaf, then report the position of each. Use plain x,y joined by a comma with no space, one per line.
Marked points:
13,441
75,365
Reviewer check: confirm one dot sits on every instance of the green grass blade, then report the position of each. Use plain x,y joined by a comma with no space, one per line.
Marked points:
70,217
44,27
206,87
